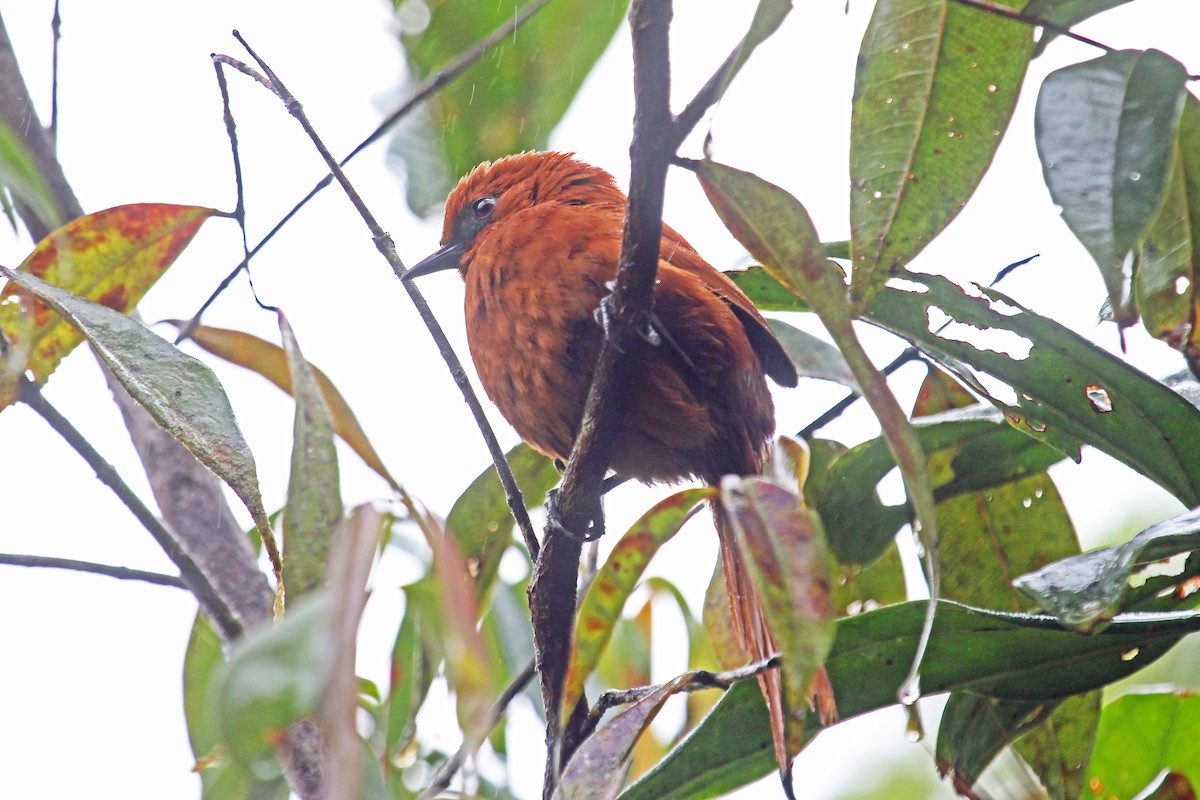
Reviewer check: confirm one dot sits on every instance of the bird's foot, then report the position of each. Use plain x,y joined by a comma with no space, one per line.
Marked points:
648,326
595,525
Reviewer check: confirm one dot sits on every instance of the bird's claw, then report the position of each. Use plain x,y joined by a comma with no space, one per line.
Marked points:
595,527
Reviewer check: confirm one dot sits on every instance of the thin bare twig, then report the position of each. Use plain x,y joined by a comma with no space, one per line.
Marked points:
108,570
420,95
693,681
55,36
450,767
1020,16
189,572
387,248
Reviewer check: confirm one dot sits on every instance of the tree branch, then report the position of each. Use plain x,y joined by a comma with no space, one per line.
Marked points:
108,570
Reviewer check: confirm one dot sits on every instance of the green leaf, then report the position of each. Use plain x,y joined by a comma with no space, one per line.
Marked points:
767,18
181,393
274,678
508,101
1141,735
767,292
969,449
480,521
20,174
1069,391
1105,131
605,598
1059,749
1012,656
934,92
813,357
975,728
314,500
412,673
1085,591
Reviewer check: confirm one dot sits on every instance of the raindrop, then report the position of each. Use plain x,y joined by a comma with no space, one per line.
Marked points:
1037,427
1099,398
993,88
1135,176
877,195
1130,655
1038,494
413,16
995,133
904,46
888,101
869,605
1050,165
910,692
951,134
1027,502
854,608
1182,284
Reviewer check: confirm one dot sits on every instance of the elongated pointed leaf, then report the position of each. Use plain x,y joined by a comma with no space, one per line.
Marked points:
111,257
1105,131
19,173
180,392
269,360
314,501
1067,388
480,520
1013,656
601,606
508,101
1065,13
935,88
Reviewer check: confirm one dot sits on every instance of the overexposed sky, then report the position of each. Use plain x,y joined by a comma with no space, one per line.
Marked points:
90,704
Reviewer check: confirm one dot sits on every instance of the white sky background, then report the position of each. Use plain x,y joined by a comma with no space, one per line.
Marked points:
90,701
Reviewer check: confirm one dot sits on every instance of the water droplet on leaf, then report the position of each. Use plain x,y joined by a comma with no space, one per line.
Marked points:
1099,398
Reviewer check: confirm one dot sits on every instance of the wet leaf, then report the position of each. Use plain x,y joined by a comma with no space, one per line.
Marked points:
975,728
1146,425
602,604
1105,131
935,89
411,676
111,257
700,650
1059,749
767,292
314,500
813,357
1142,735
180,392
785,548
968,449
508,101
1085,591
1013,656
270,361
480,521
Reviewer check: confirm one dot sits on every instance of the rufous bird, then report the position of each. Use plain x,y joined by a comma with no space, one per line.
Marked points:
536,238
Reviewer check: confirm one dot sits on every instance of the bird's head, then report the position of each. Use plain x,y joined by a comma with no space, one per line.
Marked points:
497,190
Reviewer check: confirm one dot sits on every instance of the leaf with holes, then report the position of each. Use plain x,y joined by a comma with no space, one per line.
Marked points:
1105,131
935,89
1069,391
111,257
1142,736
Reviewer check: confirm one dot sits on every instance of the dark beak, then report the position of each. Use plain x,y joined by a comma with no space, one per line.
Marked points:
443,259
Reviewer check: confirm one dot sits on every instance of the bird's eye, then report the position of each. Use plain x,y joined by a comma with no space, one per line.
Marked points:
483,207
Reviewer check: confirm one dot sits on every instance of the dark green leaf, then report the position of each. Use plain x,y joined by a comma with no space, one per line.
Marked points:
480,521
766,291
1059,749
314,499
968,449
1069,391
936,85
1105,131
508,101
974,729
1065,13
1012,656
1141,735
1086,590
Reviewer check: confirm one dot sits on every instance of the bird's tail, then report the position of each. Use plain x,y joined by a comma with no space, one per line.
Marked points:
754,635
